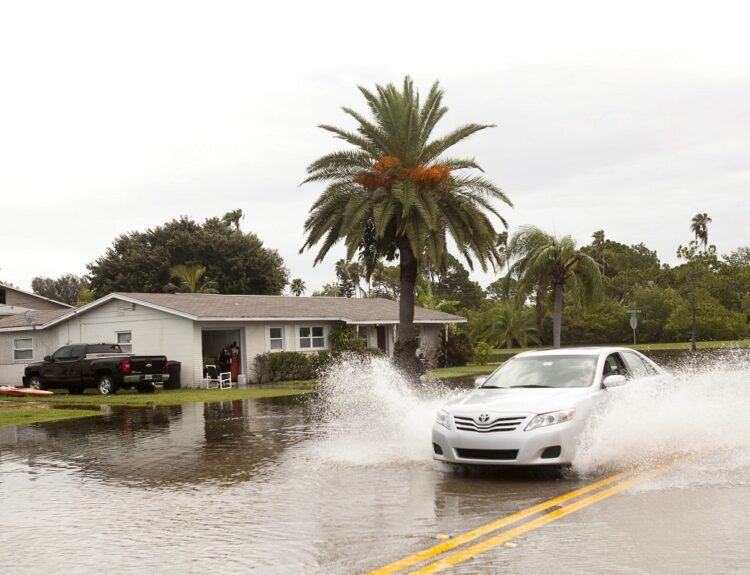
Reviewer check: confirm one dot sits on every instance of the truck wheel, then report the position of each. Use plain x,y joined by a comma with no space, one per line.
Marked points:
106,385
146,388
35,382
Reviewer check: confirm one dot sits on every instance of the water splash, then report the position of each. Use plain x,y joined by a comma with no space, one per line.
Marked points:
371,414
704,410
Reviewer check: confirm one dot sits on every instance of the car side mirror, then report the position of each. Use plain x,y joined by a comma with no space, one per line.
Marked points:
614,380
48,358
479,381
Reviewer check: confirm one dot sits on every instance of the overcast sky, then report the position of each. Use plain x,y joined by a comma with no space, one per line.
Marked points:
628,117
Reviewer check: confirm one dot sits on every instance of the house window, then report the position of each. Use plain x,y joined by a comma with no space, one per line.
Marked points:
2,296
276,338
125,341
312,338
418,336
22,349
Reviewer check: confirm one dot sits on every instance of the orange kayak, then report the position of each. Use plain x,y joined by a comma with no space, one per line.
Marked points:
23,392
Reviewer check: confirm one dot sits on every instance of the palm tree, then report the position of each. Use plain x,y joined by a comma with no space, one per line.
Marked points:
191,279
395,194
297,287
699,227
544,260
504,323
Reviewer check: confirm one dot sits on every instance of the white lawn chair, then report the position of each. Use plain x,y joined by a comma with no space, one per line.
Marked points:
225,380
211,378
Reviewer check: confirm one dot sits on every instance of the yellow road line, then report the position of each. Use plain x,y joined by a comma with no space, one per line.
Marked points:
494,526
486,545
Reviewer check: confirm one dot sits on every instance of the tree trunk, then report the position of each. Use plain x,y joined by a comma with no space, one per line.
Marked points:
693,330
557,315
539,315
405,350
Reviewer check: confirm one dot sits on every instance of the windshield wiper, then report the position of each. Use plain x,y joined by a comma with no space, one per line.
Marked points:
530,386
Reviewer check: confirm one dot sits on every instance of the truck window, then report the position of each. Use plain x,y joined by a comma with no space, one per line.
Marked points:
104,348
63,353
77,351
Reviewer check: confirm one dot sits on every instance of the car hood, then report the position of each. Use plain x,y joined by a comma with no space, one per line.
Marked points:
522,400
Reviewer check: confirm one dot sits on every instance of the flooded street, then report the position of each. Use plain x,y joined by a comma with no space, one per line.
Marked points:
345,483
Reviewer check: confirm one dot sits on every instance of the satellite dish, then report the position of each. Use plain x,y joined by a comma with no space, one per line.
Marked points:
29,317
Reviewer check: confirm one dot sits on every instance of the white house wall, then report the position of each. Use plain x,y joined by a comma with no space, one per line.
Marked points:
42,342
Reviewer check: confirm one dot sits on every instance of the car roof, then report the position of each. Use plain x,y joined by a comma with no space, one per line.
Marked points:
573,351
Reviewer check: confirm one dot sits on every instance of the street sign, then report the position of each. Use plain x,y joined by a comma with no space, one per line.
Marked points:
634,311
633,322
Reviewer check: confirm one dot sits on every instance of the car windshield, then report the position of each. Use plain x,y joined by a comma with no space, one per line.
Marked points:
545,371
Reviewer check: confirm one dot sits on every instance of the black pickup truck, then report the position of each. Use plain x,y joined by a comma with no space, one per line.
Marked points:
102,365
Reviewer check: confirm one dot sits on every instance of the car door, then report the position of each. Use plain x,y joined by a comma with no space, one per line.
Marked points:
73,372
55,372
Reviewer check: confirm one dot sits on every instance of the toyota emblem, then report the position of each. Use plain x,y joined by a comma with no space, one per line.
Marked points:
484,418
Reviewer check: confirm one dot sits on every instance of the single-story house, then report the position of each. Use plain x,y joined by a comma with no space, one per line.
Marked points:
194,328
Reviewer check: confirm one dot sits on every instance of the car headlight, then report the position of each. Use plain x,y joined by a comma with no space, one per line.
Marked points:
443,418
551,418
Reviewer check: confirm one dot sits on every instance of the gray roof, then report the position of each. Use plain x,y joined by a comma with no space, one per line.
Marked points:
38,317
265,307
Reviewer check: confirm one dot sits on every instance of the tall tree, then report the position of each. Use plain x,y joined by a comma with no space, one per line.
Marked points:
543,259
191,279
67,288
698,266
238,262
699,227
396,195
297,287
598,245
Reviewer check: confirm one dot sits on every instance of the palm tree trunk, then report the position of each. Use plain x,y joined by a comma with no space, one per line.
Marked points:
404,353
557,315
539,315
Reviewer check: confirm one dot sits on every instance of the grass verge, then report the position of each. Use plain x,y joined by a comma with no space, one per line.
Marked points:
24,410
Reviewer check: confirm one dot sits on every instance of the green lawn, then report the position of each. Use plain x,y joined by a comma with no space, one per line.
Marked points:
40,408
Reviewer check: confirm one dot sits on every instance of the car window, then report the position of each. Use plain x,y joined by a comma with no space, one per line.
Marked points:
614,365
104,348
62,353
635,364
545,371
77,351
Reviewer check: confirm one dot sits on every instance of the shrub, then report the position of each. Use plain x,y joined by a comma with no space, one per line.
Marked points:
482,352
283,366
458,350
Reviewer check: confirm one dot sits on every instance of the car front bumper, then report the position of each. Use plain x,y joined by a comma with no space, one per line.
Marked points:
518,447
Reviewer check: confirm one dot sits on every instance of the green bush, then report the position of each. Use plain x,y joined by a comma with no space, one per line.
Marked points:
283,366
458,350
482,352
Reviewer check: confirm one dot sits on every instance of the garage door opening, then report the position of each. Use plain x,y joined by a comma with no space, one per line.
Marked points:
222,348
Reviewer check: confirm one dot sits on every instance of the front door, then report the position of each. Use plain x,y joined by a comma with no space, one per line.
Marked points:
382,339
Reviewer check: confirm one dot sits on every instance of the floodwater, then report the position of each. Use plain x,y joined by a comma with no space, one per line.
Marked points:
344,483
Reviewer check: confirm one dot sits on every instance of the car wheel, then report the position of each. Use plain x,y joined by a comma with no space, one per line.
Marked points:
106,385
35,382
75,390
146,388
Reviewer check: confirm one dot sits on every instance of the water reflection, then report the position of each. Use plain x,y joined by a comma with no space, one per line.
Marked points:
224,442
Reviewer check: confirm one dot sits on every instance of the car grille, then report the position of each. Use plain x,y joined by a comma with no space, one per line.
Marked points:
491,426
488,454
